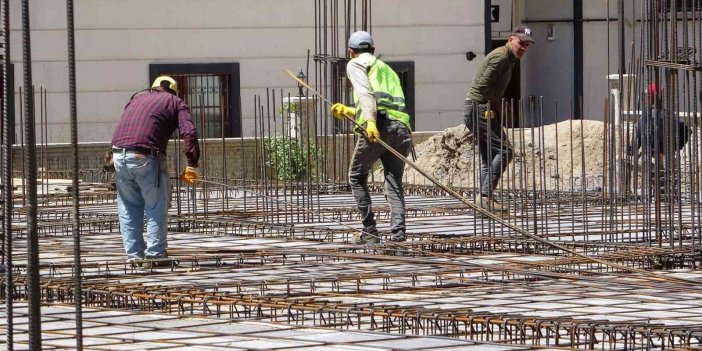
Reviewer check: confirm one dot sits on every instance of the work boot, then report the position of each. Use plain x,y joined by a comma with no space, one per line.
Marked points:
398,236
483,201
496,206
369,236
159,261
137,263
489,203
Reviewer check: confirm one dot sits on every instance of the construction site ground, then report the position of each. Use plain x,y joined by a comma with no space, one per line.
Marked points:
263,272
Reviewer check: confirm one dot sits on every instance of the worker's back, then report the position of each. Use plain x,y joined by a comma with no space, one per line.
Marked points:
148,121
650,133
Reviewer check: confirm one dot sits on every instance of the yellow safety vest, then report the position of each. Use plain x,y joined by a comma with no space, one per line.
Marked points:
387,91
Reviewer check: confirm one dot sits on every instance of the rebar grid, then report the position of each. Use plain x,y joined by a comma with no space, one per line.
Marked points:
466,235
121,330
244,281
434,312
272,245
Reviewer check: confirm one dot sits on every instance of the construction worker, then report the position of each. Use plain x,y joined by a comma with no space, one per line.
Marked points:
651,139
481,105
649,131
380,109
141,173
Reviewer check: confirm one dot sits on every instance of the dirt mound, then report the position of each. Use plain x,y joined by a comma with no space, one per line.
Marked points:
549,154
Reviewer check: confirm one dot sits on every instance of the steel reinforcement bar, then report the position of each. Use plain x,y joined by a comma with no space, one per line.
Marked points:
330,313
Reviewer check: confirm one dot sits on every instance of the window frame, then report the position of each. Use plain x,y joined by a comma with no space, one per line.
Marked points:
231,68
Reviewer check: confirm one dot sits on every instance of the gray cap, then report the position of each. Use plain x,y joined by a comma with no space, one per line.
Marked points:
360,40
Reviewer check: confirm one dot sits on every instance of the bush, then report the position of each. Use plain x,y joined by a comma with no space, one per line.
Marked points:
288,158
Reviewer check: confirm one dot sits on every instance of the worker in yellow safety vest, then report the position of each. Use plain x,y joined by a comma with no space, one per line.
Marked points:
380,109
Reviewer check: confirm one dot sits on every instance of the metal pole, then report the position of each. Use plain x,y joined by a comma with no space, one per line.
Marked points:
8,92
75,214
33,287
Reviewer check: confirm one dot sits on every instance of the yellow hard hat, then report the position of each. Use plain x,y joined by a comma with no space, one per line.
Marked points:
159,82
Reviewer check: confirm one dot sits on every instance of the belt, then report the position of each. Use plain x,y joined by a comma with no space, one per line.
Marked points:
138,150
477,103
145,152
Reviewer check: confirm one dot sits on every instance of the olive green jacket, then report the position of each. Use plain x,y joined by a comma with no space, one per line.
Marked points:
493,76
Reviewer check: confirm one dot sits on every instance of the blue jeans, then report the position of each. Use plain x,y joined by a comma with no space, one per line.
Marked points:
493,145
142,188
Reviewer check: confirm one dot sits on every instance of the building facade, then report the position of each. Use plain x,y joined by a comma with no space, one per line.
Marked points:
227,51
121,44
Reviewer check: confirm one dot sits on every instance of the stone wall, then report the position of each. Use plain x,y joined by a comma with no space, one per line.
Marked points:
242,157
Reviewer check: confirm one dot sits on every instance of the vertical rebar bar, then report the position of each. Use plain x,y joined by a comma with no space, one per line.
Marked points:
22,147
7,135
33,287
78,295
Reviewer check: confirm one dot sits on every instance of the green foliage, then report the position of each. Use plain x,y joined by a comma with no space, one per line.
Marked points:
289,108
288,158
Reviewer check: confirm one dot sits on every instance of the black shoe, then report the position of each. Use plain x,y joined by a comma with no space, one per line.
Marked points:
369,236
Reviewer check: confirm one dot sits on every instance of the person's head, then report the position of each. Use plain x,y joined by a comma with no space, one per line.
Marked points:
165,83
651,93
520,40
360,42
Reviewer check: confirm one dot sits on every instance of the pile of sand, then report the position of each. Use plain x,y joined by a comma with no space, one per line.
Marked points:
547,154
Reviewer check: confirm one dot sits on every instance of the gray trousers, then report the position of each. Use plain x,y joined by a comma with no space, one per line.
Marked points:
493,145
395,134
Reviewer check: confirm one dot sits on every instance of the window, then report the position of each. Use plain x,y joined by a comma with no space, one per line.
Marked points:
205,94
212,92
689,5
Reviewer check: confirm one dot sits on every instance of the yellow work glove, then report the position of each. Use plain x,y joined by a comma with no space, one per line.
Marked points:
372,131
489,114
190,175
340,110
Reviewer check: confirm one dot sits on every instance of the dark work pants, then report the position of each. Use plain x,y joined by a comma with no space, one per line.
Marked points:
395,134
493,145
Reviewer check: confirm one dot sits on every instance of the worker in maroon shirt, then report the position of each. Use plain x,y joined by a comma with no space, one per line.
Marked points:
141,173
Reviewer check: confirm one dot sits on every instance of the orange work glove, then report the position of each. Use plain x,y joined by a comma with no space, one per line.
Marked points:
190,175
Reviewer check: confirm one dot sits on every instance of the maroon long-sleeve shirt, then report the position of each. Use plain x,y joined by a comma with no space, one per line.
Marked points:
150,118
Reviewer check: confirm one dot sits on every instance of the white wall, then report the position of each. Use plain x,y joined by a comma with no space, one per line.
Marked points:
117,40
435,35
547,69
601,60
